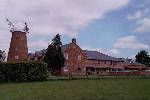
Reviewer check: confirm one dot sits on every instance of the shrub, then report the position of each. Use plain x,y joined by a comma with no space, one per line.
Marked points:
21,72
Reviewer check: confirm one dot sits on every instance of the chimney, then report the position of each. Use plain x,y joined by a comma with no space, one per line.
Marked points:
74,40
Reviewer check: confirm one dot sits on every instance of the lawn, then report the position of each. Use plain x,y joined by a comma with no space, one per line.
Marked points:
80,89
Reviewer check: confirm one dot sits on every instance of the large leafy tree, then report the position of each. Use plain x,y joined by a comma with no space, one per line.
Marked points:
54,56
143,57
2,56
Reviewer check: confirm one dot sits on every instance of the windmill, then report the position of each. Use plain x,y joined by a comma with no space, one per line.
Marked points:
18,50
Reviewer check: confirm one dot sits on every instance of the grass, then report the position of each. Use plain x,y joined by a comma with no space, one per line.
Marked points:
80,89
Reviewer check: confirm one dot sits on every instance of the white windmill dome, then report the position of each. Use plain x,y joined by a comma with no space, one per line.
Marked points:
19,27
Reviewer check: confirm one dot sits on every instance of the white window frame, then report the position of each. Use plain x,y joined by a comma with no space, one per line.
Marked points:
79,57
66,69
16,57
66,55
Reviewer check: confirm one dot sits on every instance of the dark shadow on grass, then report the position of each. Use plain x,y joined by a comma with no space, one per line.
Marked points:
89,78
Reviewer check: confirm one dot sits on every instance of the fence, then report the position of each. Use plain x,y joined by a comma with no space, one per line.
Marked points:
134,73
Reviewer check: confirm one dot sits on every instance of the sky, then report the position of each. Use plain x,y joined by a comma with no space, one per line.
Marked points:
119,28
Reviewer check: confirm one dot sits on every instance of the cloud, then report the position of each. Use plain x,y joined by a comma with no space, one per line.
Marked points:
45,17
129,42
38,45
111,52
141,20
91,48
136,15
65,16
143,25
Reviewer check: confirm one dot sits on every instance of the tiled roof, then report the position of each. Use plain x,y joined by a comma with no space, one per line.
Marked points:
95,55
132,62
31,55
40,53
64,47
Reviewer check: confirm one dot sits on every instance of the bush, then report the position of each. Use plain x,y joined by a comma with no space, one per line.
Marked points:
21,72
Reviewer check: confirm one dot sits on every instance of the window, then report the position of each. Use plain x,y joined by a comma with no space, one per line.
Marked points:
79,57
66,55
111,62
16,57
35,58
66,68
115,63
79,69
16,49
93,69
39,58
99,62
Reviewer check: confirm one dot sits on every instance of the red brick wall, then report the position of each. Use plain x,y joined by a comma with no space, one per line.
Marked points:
100,63
77,66
18,47
76,59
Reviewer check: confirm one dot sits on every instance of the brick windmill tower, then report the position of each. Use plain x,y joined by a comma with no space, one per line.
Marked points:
18,50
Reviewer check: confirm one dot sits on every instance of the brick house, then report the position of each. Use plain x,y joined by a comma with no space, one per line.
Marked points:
82,62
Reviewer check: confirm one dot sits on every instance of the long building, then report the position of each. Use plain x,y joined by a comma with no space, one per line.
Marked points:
82,62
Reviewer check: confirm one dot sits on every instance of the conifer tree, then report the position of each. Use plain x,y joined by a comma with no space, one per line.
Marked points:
54,56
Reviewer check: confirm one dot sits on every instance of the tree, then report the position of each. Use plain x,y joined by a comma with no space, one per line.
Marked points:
2,56
54,56
143,57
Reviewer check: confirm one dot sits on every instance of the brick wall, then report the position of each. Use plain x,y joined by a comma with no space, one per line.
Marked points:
103,64
18,50
75,61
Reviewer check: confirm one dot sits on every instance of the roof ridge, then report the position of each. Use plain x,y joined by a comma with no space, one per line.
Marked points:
100,53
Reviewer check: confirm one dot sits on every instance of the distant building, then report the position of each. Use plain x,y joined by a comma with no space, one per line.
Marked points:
81,62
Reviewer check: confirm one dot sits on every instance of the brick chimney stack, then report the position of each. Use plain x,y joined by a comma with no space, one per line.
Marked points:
74,40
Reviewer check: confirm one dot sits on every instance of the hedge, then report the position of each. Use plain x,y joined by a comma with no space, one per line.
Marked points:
21,72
